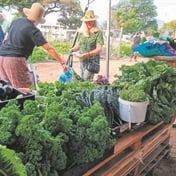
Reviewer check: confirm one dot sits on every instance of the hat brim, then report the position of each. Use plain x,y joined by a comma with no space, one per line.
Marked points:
89,19
28,13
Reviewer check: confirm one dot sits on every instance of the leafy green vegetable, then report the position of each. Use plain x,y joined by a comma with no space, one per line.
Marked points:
51,132
133,93
10,163
9,117
157,80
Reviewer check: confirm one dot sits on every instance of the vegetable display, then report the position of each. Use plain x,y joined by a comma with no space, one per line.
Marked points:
49,138
107,96
158,81
70,124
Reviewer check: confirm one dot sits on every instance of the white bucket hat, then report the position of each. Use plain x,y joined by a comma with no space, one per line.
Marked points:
35,13
89,16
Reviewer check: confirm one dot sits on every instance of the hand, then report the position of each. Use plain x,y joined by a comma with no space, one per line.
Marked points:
83,56
65,67
75,54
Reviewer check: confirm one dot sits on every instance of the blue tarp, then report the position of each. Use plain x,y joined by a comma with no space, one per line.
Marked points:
155,48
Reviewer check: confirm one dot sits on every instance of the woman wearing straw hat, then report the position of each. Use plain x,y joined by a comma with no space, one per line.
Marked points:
18,45
89,43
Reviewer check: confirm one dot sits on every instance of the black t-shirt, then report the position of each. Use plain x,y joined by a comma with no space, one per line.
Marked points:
22,37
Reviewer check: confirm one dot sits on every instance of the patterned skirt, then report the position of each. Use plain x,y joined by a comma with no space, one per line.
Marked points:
15,70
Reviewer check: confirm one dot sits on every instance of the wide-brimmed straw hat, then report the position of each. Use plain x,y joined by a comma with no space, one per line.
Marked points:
89,16
35,13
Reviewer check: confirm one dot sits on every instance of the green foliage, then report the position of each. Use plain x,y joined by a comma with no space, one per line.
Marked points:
69,11
10,163
9,117
133,93
40,55
40,148
70,14
58,88
125,50
54,132
170,26
91,137
135,15
157,80
62,48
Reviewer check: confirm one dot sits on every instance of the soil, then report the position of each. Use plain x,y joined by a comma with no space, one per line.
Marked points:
50,71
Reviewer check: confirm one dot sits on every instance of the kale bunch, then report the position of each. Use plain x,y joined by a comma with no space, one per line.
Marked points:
91,136
41,150
9,118
54,132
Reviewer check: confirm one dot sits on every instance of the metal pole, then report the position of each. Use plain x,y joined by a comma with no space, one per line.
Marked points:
108,37
120,40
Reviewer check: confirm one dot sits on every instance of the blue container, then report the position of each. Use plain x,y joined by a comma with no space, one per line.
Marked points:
66,77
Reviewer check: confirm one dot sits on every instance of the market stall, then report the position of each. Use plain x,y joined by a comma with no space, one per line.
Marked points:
76,129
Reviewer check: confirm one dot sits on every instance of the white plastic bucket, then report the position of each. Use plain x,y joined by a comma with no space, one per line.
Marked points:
132,112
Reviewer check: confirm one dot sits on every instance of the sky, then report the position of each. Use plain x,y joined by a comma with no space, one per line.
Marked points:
166,9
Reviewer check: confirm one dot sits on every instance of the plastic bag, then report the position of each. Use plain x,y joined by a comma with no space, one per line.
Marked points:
67,76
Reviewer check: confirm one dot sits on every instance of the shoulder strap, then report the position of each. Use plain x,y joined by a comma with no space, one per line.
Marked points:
69,61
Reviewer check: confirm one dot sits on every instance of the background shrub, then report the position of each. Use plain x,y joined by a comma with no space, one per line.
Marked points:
40,55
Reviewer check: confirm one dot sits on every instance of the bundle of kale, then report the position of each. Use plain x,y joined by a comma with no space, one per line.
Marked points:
53,133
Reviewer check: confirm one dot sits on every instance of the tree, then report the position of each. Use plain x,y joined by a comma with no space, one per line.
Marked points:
68,11
135,15
170,27
70,14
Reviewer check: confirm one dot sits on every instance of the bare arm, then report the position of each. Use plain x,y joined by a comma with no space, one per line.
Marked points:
94,52
54,54
76,47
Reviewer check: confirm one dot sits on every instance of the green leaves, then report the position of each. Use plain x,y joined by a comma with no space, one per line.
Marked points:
10,163
155,80
136,15
133,93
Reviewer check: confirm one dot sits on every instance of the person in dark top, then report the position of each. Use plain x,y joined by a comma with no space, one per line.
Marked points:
18,45
136,42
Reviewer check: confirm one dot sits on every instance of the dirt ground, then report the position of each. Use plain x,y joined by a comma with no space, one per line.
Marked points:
50,71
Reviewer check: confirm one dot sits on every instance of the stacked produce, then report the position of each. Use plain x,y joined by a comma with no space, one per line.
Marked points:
70,124
55,132
158,80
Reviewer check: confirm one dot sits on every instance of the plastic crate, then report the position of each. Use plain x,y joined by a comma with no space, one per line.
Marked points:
19,100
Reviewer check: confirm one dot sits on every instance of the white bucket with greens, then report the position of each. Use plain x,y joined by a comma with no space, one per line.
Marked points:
132,112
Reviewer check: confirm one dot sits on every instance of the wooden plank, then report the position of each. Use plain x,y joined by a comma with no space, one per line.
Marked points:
151,160
130,139
139,144
165,58
131,163
171,61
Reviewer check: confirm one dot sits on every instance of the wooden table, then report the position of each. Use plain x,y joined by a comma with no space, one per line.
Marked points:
171,60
